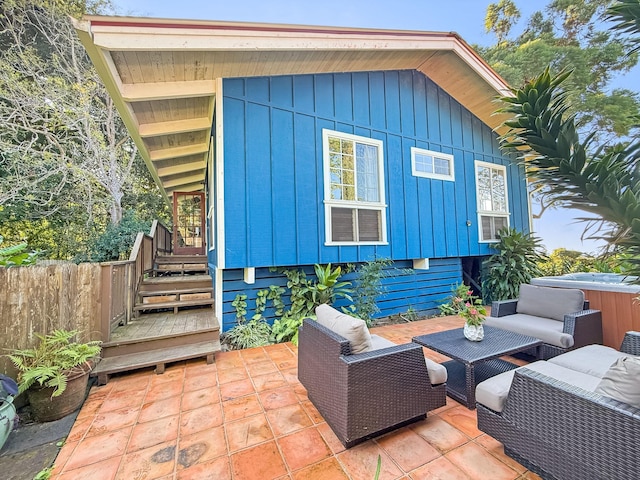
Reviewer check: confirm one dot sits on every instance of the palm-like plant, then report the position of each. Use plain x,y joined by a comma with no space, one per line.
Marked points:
625,14
603,181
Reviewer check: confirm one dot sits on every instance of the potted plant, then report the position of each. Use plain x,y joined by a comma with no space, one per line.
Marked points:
473,313
8,390
55,373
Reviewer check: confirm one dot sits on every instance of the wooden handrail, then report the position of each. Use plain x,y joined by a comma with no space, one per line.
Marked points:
122,279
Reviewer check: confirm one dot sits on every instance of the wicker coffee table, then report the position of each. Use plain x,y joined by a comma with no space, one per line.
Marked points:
474,362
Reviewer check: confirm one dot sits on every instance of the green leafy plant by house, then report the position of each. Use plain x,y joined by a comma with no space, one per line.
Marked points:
368,287
17,255
515,263
306,295
248,334
50,361
255,332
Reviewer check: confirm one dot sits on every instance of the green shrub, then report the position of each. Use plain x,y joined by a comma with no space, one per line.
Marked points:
248,334
562,261
515,263
368,287
117,240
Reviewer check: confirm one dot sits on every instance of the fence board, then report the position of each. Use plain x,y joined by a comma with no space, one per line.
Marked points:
43,298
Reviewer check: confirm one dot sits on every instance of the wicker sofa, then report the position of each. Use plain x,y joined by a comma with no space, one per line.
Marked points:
364,394
560,317
565,418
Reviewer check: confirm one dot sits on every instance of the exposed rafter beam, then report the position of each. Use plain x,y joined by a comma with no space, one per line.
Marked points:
191,187
176,152
184,181
182,168
173,127
141,92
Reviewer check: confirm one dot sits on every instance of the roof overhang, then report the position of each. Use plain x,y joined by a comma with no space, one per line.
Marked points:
162,74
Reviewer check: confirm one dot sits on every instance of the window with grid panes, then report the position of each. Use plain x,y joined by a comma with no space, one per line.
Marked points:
428,164
354,189
493,205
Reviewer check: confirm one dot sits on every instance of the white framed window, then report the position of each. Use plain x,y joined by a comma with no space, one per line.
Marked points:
493,203
355,209
429,164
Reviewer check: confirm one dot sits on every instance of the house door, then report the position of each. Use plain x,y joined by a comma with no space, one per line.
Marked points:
188,223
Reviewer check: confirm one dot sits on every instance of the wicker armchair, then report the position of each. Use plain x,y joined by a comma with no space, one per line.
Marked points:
578,328
560,431
365,394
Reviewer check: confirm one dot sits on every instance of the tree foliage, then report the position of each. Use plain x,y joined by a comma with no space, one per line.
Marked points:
605,183
569,34
67,164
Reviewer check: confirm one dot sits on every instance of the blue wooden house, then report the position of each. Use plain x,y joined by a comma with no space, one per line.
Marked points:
303,145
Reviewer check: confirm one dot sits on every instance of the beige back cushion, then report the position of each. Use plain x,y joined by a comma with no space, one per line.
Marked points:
353,329
549,302
622,381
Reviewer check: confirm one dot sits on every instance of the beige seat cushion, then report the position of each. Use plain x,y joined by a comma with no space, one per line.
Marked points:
437,372
622,381
593,359
352,329
378,342
493,392
546,329
549,302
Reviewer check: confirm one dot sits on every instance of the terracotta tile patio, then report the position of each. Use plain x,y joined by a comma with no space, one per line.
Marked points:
247,417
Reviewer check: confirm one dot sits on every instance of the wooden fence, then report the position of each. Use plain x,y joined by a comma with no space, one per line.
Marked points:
41,299
91,297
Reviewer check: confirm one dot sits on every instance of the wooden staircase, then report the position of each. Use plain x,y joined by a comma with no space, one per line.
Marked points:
173,320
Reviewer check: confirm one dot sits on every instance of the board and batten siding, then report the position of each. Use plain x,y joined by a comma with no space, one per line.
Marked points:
420,290
273,184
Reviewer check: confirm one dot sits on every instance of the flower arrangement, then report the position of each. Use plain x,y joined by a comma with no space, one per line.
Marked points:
473,312
464,303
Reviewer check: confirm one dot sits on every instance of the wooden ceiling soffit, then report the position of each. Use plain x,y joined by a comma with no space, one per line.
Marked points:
460,80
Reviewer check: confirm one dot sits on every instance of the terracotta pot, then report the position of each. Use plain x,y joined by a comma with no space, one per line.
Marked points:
46,408
7,418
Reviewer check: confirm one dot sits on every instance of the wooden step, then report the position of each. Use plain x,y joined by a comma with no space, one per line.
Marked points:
181,259
179,291
161,284
124,347
173,304
158,358
181,267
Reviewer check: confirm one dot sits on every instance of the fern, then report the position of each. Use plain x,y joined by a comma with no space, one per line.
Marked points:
49,363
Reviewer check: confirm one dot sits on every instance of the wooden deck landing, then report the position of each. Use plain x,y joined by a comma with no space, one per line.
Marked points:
165,324
158,339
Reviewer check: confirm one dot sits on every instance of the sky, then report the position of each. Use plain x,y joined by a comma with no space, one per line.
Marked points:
557,228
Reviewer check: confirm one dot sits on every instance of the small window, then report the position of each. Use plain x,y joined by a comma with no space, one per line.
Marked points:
428,164
493,207
354,189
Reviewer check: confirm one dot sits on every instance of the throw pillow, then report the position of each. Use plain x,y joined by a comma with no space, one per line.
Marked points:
622,381
353,329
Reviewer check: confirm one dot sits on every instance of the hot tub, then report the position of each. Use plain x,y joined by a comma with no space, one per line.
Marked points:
613,294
